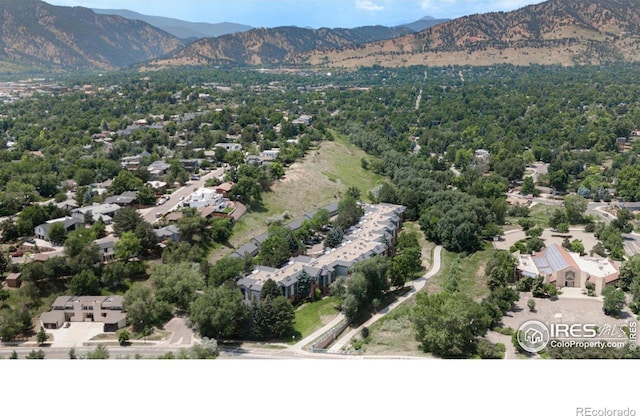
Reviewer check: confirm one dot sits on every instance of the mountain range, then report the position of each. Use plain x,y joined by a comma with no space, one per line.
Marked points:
38,36
180,28
566,32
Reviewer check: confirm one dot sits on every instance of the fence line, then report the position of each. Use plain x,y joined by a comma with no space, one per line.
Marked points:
329,337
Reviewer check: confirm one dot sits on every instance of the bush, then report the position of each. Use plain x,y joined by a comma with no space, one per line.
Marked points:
524,285
364,332
531,304
491,351
123,337
505,330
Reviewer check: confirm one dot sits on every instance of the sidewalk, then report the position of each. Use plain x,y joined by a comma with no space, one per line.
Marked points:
415,285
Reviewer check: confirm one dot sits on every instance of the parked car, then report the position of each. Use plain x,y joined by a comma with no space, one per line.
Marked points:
158,214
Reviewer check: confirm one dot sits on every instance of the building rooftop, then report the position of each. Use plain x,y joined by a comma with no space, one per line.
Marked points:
364,241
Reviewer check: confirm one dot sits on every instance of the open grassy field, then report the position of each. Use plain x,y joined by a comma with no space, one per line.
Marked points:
394,334
317,180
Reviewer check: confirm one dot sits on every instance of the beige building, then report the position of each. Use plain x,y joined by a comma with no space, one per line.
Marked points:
374,234
107,309
566,269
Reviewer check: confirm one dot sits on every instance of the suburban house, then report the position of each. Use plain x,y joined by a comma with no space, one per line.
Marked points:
190,164
224,189
303,119
157,186
230,147
106,309
107,247
169,233
70,224
104,212
270,154
158,169
566,269
124,199
206,197
376,231
130,162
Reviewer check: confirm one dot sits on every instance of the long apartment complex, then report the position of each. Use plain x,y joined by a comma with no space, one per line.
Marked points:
374,235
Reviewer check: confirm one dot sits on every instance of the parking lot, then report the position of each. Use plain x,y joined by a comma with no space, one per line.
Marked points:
549,237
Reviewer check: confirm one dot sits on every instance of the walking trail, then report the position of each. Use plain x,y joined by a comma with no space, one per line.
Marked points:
415,285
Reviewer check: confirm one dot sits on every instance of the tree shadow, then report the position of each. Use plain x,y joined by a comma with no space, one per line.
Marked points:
257,206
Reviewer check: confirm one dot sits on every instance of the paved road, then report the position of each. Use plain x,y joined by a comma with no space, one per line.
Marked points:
149,214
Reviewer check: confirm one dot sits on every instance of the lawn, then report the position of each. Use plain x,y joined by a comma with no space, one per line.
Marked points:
311,316
319,179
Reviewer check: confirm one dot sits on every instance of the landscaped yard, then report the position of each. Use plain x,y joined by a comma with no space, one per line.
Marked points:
311,316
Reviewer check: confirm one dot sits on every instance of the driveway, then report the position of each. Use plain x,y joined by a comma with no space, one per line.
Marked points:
75,335
181,334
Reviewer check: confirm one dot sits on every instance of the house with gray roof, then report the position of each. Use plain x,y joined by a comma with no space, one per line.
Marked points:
104,212
168,233
106,309
374,235
124,199
70,224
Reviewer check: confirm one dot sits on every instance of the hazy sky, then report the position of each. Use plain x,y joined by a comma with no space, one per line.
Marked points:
303,13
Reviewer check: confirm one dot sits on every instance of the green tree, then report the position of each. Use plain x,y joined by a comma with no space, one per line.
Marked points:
500,270
126,219
144,233
84,283
449,324
406,265
208,349
613,300
123,337
629,272
349,212
219,312
42,336
305,284
125,181
127,246
334,238
176,284
57,233
139,304
146,196
270,289
192,225
225,270
4,296
276,250
575,206
577,246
